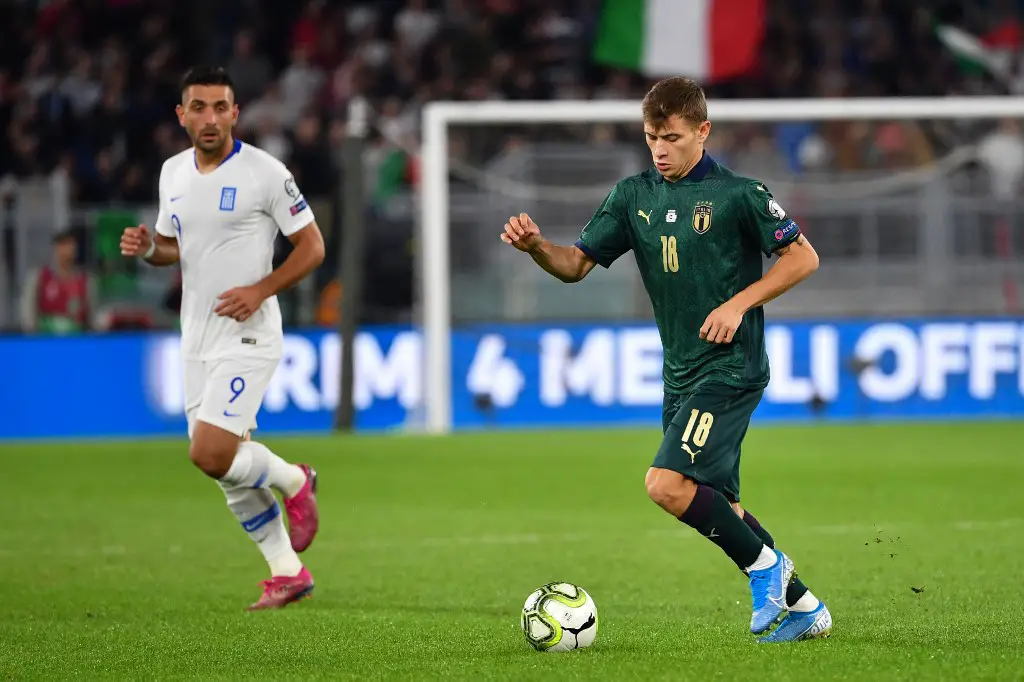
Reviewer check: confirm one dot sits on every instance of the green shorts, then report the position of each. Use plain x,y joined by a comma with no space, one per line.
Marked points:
704,431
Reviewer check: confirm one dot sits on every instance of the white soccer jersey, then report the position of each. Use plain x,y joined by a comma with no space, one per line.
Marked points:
225,223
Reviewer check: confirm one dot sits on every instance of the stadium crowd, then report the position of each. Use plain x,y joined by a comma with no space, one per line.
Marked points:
88,87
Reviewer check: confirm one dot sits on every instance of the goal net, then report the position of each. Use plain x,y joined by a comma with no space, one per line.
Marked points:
911,203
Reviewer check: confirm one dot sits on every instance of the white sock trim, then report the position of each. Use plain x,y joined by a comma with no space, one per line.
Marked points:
249,469
238,470
805,604
286,563
766,559
283,477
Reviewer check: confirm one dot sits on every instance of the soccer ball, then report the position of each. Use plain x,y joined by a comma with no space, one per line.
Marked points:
559,617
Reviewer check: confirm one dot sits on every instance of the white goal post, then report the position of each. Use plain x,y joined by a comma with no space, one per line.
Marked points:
433,269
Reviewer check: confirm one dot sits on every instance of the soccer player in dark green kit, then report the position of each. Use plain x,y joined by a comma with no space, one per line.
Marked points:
698,232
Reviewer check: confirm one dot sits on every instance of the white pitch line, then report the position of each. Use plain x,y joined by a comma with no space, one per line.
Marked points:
678,533
513,540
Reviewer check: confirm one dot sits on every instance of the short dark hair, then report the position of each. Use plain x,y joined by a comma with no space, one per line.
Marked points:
206,75
675,97
67,234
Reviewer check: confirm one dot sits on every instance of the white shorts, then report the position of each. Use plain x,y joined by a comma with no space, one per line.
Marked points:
226,393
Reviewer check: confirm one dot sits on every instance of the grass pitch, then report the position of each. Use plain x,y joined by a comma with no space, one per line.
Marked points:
119,560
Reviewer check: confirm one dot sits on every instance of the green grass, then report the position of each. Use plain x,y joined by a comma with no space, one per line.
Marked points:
122,561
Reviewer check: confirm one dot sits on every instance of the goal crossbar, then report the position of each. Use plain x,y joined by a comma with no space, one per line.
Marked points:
433,267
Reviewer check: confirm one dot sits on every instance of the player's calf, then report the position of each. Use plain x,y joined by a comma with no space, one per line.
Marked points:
259,514
709,513
254,466
235,459
246,471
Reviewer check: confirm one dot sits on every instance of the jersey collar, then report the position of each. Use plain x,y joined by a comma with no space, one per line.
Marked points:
235,148
696,173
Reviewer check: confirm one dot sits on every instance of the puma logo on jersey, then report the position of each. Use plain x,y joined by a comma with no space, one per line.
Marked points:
691,453
645,216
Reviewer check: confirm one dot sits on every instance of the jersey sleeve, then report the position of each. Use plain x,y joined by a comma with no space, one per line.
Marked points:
164,226
766,221
606,236
285,203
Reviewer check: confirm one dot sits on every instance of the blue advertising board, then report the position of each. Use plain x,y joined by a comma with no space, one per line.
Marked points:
522,376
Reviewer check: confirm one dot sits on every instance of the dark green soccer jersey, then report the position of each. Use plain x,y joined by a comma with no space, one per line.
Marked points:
697,242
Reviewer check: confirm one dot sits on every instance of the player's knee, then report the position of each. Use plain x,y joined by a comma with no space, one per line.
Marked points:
738,509
670,490
211,461
213,450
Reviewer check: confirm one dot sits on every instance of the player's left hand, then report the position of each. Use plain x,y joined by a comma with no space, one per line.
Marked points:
721,325
240,303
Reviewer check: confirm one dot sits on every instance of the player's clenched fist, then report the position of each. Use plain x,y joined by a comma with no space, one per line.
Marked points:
721,325
135,241
522,233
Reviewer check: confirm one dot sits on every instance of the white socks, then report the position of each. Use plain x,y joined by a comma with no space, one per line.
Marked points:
766,559
246,486
260,515
255,466
805,604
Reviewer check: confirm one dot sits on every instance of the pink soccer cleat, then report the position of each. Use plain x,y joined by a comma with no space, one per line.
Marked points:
282,590
303,518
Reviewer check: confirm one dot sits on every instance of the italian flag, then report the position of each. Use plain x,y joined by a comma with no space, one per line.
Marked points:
991,53
706,40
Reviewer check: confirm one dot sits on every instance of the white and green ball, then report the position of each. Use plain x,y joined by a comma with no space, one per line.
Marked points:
559,617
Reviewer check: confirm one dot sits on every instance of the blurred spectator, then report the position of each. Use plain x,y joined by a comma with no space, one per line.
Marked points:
300,82
250,71
311,160
58,298
80,87
88,89
1001,152
270,112
416,25
271,138
97,84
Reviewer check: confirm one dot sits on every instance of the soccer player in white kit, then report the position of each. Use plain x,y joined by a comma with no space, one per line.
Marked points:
222,203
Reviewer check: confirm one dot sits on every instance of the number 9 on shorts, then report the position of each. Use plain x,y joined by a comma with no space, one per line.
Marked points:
227,393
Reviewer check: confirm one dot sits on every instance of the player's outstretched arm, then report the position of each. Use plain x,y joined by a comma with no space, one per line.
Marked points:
797,261
567,263
155,249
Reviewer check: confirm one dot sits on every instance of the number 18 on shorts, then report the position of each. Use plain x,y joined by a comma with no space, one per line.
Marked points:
704,433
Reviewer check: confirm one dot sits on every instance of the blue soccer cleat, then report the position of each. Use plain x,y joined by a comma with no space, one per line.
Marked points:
798,626
768,589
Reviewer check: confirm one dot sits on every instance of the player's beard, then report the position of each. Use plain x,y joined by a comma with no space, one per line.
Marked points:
210,145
